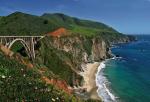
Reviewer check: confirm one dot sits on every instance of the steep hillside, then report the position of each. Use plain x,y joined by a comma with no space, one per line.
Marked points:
45,80
25,24
73,23
65,55
0,17
19,83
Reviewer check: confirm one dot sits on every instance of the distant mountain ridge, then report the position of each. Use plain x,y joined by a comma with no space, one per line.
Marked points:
67,20
19,23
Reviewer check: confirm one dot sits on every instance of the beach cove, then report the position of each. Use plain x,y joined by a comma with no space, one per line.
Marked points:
94,82
89,76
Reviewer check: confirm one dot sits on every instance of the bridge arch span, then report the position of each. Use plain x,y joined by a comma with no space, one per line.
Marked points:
27,41
27,48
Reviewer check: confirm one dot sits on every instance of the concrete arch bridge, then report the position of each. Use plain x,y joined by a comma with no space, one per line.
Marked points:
27,41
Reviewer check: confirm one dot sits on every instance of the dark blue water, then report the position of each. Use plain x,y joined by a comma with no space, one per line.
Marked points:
130,75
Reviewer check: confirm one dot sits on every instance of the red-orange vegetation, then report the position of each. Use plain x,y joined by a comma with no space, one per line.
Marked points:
58,83
59,32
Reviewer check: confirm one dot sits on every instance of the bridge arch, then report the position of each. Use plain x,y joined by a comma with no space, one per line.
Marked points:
27,41
27,48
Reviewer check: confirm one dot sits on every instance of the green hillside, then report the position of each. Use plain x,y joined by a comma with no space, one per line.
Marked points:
19,83
25,24
70,22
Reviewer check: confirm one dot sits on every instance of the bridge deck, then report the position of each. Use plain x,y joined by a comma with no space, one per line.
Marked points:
19,36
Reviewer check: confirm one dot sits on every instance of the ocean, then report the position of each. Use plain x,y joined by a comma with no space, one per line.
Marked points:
127,78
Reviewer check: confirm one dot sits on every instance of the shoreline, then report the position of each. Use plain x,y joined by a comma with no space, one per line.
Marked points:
89,76
95,83
104,91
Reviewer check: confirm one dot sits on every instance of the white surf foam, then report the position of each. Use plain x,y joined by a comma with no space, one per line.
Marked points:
102,83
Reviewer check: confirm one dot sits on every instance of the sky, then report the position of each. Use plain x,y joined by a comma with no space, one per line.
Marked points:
127,16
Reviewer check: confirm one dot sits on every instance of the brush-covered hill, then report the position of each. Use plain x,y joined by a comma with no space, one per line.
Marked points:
74,24
25,24
27,83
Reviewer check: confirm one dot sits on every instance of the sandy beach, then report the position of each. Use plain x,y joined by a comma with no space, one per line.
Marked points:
89,76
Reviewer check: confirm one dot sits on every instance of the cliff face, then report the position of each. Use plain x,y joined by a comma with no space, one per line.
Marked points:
67,55
99,50
81,48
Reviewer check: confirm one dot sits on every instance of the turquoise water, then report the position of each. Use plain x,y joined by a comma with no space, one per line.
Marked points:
130,75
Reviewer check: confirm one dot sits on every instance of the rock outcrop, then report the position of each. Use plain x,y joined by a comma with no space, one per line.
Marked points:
82,48
6,51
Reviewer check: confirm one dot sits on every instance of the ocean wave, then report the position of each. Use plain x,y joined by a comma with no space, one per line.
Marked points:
102,83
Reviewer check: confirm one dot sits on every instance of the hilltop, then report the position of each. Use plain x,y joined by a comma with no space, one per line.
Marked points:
19,23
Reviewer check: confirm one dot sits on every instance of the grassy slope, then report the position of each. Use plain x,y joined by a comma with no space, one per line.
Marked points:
0,17
17,82
63,19
25,24
78,26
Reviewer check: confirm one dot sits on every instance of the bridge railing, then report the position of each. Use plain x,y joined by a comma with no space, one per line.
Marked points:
20,36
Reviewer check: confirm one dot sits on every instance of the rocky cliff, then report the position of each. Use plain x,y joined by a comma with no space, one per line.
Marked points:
70,53
82,48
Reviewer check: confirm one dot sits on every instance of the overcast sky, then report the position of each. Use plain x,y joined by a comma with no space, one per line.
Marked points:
127,16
